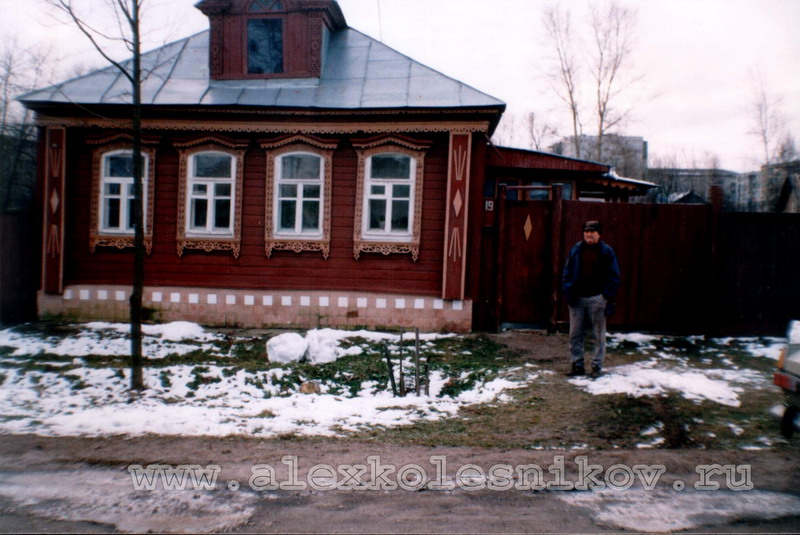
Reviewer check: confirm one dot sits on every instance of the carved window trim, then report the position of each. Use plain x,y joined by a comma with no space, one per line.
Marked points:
210,242
416,150
281,147
99,237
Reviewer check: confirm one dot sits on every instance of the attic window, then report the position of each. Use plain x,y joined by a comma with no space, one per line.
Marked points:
264,46
261,6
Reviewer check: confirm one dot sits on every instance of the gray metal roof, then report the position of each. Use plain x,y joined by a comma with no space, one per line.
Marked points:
359,73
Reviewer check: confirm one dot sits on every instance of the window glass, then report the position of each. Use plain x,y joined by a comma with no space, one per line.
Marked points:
311,215
264,46
301,166
391,166
212,165
117,192
299,186
222,213
210,208
389,189
111,214
287,215
400,215
377,214
199,213
119,165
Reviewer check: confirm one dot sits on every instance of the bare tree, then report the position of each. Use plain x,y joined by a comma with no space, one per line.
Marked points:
608,59
566,74
540,131
127,17
21,70
612,29
769,123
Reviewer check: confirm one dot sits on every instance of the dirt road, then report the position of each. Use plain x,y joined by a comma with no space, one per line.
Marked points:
85,485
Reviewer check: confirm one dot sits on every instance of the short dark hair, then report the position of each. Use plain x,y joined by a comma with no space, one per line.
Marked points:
593,225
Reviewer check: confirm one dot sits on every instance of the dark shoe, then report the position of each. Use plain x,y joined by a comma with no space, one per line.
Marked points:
596,372
576,371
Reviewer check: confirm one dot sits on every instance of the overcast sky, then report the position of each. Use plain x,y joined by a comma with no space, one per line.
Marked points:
697,59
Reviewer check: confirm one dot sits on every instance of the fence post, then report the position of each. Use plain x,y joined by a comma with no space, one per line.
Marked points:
501,252
555,252
714,319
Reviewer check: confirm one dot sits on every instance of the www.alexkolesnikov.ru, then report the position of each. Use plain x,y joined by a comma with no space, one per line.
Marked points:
376,475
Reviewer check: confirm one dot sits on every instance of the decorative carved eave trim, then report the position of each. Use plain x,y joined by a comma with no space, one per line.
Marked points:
147,140
277,127
121,241
209,242
610,183
287,144
217,140
363,245
322,143
403,141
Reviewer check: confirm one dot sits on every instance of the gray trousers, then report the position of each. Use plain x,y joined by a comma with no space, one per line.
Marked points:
588,316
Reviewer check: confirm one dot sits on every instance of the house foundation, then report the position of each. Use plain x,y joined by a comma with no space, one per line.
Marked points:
262,309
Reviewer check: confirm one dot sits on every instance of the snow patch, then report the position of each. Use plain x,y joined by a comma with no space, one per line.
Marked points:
663,510
651,378
287,347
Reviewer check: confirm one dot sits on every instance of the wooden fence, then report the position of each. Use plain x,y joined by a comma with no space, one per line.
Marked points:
19,272
685,268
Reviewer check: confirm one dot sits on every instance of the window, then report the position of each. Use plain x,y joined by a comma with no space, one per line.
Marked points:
389,193
113,196
210,194
389,196
264,46
299,180
116,192
298,202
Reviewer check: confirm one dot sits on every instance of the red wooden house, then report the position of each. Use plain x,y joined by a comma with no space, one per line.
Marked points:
297,172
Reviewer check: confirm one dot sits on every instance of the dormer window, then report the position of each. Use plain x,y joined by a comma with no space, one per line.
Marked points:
252,39
264,46
265,39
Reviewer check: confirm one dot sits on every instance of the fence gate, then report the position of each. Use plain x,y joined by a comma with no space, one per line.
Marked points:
524,263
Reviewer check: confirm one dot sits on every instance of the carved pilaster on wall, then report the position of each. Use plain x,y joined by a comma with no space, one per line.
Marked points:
215,48
457,216
315,45
54,213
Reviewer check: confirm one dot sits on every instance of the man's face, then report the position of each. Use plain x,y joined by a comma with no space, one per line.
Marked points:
591,236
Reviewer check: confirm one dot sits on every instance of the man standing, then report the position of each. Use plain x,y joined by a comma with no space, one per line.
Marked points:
590,282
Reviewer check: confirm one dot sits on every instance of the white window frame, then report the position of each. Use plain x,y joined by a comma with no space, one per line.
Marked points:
99,234
300,183
298,241
387,234
125,196
210,197
388,242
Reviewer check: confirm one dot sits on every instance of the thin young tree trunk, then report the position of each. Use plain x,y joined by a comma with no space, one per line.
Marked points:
137,375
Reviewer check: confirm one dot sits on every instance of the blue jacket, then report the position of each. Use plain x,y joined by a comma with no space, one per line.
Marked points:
569,277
